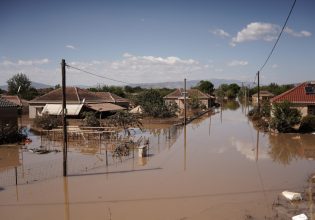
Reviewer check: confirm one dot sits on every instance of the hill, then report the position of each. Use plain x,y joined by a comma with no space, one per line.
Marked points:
189,83
36,85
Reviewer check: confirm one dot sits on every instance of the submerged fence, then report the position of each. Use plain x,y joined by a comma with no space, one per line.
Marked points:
84,156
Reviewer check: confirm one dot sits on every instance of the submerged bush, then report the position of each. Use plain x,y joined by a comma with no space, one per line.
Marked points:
285,117
90,120
47,121
307,124
10,134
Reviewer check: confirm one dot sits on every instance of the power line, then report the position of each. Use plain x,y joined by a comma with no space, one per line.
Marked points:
274,46
94,74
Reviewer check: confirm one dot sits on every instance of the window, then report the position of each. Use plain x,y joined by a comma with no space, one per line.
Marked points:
310,89
311,110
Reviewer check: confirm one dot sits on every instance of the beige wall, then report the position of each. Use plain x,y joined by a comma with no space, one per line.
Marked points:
35,110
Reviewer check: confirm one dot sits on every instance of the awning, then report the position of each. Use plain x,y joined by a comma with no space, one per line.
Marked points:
56,109
105,107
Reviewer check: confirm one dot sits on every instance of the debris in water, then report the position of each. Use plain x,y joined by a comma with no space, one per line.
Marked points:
300,217
292,195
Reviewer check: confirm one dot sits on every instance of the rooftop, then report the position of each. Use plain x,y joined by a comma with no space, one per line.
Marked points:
6,104
303,93
190,92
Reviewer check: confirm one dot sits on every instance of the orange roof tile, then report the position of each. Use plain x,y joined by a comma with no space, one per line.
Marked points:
296,95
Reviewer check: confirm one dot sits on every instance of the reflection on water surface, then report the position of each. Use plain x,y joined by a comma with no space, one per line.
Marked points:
217,163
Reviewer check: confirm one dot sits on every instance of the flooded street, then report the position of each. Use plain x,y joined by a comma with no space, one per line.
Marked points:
218,167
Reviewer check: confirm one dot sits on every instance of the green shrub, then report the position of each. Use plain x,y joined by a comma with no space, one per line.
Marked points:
90,120
47,121
308,123
284,117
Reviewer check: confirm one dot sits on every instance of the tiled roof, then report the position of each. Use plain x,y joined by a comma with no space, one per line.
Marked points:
296,95
13,98
6,104
73,95
264,93
178,93
110,97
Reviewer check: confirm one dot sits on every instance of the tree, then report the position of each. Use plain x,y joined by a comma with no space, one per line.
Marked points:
284,117
153,104
234,88
20,84
124,119
47,121
205,86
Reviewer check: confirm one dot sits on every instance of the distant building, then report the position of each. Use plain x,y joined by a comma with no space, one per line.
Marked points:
301,96
178,97
77,99
263,96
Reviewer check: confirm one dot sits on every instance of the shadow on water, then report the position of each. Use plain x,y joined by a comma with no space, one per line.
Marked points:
115,172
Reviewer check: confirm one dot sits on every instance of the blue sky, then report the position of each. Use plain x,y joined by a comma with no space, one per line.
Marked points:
155,41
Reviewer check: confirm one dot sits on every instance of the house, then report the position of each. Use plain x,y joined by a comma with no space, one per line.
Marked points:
178,97
301,96
8,115
113,98
21,103
263,96
77,100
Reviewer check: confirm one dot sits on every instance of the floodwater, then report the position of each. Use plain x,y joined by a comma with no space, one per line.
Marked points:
218,167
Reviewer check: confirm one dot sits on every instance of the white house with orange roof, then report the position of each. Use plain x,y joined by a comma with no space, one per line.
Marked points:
301,96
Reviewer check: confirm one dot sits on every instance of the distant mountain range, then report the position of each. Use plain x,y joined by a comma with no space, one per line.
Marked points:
171,85
189,83
36,85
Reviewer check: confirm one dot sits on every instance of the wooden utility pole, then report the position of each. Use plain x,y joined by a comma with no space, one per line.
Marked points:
185,106
258,91
64,117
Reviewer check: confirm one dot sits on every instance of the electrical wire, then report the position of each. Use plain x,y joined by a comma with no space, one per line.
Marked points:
274,46
94,74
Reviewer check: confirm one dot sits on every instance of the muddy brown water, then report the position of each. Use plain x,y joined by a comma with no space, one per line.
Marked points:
218,167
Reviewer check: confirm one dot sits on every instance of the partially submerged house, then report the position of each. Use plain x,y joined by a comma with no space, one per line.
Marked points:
301,96
77,100
8,115
178,97
113,98
264,96
21,103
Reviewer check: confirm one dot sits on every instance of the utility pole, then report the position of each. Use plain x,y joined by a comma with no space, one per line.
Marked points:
64,117
258,92
185,106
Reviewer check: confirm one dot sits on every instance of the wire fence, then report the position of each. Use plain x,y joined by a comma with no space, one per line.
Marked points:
84,157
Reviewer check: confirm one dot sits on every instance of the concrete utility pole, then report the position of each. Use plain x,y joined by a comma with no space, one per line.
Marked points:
185,106
64,117
258,92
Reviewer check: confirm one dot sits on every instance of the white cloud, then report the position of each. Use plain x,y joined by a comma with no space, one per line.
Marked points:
220,33
297,34
256,31
71,47
263,31
24,62
238,63
274,66
136,69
